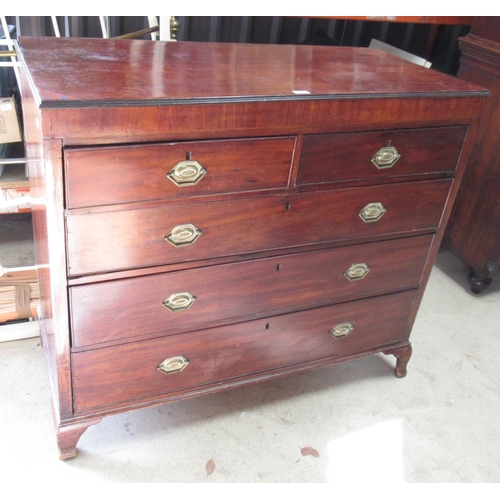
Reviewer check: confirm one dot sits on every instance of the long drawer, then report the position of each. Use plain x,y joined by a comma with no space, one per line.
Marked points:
112,240
379,155
189,299
123,174
121,375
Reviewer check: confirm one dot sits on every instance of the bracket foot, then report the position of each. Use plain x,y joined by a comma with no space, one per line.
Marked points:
403,355
68,436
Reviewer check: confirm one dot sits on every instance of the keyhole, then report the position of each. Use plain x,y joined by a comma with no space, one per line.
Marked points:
267,326
278,267
188,156
288,206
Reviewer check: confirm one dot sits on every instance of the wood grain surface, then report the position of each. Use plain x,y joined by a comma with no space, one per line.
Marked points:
135,237
125,309
125,374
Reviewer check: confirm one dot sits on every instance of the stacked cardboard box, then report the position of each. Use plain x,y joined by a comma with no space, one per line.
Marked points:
9,123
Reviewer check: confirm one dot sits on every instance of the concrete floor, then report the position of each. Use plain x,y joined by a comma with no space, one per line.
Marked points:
440,424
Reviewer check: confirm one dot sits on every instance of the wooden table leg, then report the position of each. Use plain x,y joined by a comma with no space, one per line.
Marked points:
403,355
68,436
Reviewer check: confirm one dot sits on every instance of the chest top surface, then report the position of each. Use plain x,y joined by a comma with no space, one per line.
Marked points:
75,72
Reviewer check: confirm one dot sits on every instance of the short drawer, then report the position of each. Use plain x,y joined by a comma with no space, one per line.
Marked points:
123,375
187,300
123,174
112,240
379,155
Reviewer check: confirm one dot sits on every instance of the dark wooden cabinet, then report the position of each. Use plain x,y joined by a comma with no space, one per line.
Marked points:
473,231
212,215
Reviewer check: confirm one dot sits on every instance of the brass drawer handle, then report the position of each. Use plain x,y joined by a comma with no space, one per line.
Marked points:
386,157
173,365
372,212
178,302
186,173
341,330
183,235
357,272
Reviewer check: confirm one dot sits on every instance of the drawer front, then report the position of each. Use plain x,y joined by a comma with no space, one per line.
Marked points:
112,240
122,174
127,374
128,308
348,156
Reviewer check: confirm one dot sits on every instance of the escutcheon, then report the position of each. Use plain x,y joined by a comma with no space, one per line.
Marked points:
173,365
386,157
178,302
357,272
341,330
372,212
186,173
183,235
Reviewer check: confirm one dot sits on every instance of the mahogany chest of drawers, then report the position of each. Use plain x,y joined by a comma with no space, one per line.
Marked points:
211,215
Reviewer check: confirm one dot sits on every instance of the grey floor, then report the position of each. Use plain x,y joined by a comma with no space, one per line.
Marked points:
347,424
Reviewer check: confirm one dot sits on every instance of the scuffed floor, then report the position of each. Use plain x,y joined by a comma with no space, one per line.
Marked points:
347,424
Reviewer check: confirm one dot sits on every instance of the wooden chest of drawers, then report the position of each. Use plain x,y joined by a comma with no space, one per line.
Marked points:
211,215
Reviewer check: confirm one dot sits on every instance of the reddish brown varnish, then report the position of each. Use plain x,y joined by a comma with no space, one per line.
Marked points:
286,134
269,285
125,174
340,157
473,232
219,354
242,225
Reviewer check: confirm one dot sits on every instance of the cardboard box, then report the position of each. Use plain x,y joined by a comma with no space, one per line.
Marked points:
9,122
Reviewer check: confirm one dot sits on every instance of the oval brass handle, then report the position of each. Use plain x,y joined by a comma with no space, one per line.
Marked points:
181,301
186,173
173,365
341,330
357,272
386,157
372,212
183,235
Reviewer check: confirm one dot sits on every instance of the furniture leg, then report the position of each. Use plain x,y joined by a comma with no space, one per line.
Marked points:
403,355
478,282
68,436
